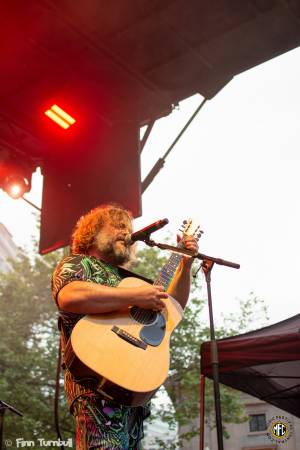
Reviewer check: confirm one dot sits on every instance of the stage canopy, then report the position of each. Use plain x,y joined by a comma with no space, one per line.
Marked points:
115,66
264,363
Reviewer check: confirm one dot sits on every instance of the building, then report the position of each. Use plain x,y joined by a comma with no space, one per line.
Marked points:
254,433
154,429
8,249
157,430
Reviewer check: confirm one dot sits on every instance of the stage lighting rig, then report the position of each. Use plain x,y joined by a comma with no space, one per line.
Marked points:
16,185
60,117
15,177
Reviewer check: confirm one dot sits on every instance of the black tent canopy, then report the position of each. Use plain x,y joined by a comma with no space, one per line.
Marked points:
264,363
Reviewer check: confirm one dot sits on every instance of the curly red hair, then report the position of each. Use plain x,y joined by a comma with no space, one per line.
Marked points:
89,225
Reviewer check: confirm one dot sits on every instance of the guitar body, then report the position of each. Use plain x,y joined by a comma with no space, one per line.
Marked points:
127,352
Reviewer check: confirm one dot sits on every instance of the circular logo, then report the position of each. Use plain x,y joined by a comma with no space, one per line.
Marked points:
279,429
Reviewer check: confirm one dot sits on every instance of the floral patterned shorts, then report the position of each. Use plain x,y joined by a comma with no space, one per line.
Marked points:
101,424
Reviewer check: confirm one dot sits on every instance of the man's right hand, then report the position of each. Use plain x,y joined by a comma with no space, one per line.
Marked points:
149,297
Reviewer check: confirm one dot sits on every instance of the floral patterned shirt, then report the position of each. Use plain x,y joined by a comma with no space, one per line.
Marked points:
91,269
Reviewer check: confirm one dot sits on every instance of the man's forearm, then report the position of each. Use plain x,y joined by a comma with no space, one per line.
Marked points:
83,297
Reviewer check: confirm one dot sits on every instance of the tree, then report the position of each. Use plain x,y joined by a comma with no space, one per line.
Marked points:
29,347
182,385
28,350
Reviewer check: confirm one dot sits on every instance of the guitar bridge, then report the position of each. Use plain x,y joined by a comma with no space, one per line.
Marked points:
129,338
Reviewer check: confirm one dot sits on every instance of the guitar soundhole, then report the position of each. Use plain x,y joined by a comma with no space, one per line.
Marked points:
144,316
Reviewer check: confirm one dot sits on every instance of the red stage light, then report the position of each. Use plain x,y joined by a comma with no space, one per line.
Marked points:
15,191
16,185
60,117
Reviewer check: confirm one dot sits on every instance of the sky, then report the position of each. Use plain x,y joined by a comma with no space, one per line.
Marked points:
236,170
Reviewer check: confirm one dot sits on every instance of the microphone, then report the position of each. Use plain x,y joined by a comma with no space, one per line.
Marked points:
143,234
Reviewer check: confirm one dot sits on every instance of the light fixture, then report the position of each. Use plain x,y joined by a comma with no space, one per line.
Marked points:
16,185
59,116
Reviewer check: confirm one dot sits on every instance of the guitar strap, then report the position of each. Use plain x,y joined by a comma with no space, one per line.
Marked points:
127,273
63,340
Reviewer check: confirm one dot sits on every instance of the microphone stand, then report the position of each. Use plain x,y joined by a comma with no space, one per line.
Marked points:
207,265
3,407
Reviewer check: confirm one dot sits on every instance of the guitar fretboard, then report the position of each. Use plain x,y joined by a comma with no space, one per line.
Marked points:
167,272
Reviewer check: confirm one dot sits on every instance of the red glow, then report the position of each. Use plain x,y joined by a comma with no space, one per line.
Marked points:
15,191
16,185
63,114
60,117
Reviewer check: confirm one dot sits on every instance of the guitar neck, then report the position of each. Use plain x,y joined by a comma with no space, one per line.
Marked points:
167,272
190,228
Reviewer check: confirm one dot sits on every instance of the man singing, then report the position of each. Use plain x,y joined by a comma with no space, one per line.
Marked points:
86,282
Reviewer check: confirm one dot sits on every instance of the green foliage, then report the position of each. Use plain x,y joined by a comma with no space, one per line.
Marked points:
29,348
149,262
183,382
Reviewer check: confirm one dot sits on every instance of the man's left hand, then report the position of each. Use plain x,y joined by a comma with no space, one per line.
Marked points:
190,243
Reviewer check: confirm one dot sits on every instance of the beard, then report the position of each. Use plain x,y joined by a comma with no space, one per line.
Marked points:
113,249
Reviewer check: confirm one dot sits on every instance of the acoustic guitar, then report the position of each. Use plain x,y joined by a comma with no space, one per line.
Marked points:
126,353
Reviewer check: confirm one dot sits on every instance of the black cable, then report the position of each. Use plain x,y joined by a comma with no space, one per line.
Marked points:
56,396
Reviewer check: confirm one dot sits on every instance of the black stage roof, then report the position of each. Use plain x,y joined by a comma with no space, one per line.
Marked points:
116,66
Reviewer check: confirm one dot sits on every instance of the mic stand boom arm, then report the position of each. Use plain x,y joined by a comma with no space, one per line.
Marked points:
186,252
207,265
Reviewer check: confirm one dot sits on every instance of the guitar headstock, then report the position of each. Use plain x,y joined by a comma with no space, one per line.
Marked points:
191,227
